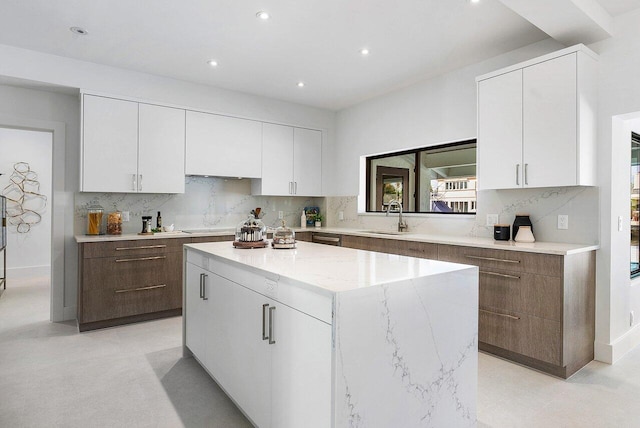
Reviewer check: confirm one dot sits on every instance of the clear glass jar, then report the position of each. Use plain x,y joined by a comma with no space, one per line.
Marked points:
251,230
284,237
114,223
94,220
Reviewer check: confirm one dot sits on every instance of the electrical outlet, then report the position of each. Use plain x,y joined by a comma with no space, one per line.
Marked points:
125,216
563,221
492,219
341,215
280,215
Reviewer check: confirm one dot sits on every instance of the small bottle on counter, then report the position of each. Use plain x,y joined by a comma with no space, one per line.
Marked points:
159,221
303,220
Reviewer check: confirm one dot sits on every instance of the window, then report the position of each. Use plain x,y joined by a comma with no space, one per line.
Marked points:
437,179
635,208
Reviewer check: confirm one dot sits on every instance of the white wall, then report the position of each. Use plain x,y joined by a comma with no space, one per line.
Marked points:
28,254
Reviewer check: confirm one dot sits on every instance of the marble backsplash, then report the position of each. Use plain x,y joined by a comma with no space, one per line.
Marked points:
208,202
543,205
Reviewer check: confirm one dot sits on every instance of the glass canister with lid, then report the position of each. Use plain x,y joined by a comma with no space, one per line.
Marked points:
94,220
284,237
114,223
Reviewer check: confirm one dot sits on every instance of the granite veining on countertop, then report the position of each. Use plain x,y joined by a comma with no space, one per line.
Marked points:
557,248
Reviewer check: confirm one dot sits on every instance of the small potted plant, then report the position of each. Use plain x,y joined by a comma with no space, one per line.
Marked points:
318,219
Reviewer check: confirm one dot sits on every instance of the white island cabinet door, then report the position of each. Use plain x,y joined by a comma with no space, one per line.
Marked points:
301,367
223,146
307,162
161,150
550,117
109,145
500,132
195,313
277,160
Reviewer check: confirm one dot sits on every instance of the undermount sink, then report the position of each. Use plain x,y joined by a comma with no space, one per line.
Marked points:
383,232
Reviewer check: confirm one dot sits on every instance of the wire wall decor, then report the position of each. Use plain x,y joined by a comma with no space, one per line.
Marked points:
25,203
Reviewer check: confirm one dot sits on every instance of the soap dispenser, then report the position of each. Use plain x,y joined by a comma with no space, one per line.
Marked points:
303,219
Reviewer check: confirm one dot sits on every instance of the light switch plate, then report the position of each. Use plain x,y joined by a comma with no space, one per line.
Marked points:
341,215
280,215
563,221
492,219
125,216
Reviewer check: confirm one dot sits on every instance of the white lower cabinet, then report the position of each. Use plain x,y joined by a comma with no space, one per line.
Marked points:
273,360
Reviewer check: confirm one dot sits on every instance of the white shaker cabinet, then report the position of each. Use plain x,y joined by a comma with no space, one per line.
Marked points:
131,147
291,162
536,122
223,146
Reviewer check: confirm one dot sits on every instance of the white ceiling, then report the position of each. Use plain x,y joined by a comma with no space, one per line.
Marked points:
315,41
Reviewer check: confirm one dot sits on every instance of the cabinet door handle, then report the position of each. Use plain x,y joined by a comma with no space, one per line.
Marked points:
272,311
141,259
142,247
134,182
326,239
150,287
492,259
140,183
526,174
264,322
512,317
502,275
517,174
204,286
201,282
295,187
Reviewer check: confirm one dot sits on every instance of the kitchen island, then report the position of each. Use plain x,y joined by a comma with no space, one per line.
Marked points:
323,336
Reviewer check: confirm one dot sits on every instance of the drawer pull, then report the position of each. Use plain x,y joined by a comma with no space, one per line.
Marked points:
500,315
142,247
325,239
492,259
502,275
141,259
150,287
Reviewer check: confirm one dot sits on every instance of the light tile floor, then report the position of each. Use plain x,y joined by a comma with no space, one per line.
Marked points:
135,376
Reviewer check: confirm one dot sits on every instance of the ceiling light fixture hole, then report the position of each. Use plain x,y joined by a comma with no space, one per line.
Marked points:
212,63
79,30
300,84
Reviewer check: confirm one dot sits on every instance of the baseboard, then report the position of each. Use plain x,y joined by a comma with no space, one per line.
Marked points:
610,353
28,272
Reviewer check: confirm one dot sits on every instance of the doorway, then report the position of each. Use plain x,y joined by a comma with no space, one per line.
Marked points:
26,181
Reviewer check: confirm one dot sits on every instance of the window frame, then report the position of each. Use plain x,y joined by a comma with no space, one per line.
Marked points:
416,152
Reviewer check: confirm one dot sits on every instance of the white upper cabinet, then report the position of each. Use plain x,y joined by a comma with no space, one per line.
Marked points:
223,146
131,147
161,149
109,145
536,122
291,162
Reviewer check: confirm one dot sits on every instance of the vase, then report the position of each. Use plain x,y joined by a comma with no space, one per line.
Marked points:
521,220
525,234
318,224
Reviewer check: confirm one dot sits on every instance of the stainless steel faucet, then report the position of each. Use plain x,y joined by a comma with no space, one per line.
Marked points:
402,225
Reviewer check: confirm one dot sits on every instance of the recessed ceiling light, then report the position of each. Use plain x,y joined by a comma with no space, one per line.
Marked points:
474,1
212,63
364,51
79,30
300,84
263,15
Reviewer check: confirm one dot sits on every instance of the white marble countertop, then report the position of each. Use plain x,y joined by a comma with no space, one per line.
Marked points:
333,269
556,248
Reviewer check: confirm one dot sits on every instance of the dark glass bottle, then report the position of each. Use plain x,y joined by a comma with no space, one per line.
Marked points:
159,221
521,220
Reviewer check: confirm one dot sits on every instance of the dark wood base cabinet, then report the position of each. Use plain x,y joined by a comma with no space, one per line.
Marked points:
535,309
121,282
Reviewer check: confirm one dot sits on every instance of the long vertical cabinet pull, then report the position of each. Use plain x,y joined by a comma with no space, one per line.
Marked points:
201,285
204,286
295,187
272,311
134,182
140,183
264,322
517,174
526,174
